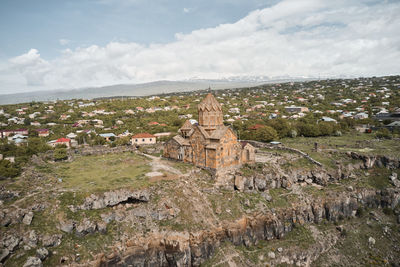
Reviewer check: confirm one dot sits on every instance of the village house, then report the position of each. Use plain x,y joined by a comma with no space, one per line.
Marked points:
60,141
7,133
143,139
108,136
43,132
294,109
209,144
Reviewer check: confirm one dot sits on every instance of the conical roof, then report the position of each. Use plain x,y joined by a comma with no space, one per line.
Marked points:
209,103
186,126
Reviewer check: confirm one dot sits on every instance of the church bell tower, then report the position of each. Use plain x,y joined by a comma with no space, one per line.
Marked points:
210,113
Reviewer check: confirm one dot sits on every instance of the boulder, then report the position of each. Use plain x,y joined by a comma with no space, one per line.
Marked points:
5,220
4,254
240,182
10,242
271,255
51,240
85,227
31,239
266,196
28,218
102,227
67,226
42,253
260,184
33,262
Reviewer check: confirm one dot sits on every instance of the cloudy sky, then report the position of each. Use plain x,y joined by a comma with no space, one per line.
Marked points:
63,44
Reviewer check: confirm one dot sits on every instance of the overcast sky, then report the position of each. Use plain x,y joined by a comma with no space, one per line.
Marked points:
63,44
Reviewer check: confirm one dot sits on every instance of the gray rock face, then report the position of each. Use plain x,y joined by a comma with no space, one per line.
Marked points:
266,196
51,240
85,227
273,224
42,253
31,239
4,254
33,262
4,219
102,227
240,182
112,198
10,242
67,226
28,218
260,184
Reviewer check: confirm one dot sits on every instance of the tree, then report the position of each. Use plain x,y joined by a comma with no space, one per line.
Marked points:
8,169
123,141
82,138
266,134
308,129
326,128
383,133
60,154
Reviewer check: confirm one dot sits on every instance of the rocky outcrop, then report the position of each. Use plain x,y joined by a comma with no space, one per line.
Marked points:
82,228
192,249
371,161
33,262
113,198
16,216
51,240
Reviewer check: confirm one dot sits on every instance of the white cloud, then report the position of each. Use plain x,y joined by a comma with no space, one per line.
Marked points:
293,37
64,41
187,10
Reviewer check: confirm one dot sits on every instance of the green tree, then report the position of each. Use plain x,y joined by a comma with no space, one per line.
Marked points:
60,154
266,134
383,133
8,169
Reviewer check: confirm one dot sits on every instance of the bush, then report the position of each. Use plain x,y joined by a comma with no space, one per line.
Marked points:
8,169
60,154
308,130
383,134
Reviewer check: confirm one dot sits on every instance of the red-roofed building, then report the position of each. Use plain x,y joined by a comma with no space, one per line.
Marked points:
7,133
43,132
153,123
60,141
143,139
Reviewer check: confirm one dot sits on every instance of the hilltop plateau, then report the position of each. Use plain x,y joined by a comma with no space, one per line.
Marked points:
79,187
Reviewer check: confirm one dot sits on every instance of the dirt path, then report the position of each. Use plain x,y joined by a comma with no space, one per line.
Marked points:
157,165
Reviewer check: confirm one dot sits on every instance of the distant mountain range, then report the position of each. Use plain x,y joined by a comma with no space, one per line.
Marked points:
152,88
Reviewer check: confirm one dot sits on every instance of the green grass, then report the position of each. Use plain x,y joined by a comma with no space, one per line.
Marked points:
299,237
352,141
354,249
281,198
182,166
302,163
378,178
103,173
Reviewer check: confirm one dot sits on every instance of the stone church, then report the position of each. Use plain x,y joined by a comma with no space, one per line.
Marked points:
209,143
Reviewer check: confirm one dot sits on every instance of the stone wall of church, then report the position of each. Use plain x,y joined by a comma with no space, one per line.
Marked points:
230,153
248,154
171,149
197,143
